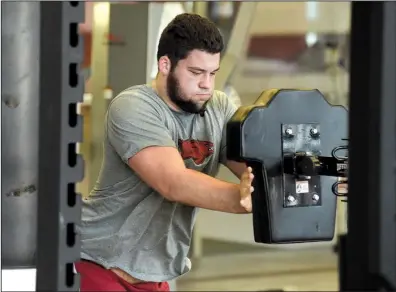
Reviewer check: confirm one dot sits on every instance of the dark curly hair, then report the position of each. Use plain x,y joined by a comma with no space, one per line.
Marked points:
187,32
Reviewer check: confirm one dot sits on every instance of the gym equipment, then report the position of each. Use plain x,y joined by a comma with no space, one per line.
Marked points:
40,126
368,251
61,88
292,140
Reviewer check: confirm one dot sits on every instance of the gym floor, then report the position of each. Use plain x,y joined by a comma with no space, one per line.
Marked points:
227,267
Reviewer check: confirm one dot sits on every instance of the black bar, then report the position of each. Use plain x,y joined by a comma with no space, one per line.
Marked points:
310,165
371,245
61,87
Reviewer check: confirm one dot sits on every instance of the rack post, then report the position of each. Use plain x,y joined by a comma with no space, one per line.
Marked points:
368,253
60,128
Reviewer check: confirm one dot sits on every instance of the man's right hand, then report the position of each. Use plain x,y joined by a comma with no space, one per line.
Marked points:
246,189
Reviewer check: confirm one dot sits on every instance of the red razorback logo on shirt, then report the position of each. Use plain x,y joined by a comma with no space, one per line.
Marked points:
195,149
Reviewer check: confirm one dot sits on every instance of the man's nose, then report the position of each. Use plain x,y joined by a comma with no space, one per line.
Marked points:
205,82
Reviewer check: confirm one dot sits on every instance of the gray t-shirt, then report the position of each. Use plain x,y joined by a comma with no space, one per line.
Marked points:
125,223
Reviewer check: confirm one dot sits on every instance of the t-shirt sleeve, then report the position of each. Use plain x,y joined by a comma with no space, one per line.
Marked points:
228,108
134,124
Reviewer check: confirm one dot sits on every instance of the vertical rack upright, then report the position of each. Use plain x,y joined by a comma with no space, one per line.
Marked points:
60,128
367,252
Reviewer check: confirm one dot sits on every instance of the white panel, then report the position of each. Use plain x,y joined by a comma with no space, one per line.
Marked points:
156,13
237,44
18,280
98,81
169,11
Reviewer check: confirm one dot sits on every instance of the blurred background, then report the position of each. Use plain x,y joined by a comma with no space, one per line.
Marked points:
269,45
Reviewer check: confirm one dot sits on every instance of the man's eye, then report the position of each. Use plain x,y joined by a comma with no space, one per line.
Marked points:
195,73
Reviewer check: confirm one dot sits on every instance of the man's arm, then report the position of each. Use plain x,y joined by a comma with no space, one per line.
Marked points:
140,138
163,169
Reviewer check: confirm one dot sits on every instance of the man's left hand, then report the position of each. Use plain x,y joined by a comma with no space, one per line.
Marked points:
246,189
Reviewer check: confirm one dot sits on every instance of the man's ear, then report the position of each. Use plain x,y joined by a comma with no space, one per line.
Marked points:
164,65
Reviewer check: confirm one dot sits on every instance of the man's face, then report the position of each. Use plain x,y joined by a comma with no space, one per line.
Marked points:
191,83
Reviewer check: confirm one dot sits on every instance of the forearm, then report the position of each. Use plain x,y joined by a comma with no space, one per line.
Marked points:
200,190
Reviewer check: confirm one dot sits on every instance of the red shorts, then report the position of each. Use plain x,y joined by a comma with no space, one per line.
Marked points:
94,277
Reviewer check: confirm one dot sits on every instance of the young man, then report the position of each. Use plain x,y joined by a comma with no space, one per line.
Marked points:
163,145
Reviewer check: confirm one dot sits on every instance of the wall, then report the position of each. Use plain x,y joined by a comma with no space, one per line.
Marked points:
276,18
279,29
